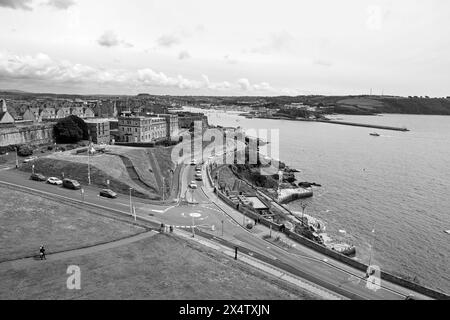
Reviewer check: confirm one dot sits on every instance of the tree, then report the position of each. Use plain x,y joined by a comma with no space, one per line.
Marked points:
82,125
67,131
25,151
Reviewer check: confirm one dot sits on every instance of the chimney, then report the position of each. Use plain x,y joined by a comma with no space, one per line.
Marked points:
4,108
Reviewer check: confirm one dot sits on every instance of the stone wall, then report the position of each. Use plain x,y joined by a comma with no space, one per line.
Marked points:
32,134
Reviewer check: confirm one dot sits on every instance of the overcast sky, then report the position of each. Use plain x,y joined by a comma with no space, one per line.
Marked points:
227,47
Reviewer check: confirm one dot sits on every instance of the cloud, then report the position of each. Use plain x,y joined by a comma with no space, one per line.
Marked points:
323,63
61,4
276,42
244,84
16,4
43,68
111,39
168,40
184,55
230,60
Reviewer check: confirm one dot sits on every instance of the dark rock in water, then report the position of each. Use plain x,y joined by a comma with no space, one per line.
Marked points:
308,184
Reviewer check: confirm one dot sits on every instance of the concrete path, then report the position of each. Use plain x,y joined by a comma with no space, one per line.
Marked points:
82,251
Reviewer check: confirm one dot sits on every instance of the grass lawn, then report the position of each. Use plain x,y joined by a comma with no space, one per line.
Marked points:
160,267
28,221
103,167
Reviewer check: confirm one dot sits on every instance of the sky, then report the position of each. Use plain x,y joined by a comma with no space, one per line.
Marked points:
232,47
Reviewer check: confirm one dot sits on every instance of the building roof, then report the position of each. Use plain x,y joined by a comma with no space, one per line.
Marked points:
256,203
96,120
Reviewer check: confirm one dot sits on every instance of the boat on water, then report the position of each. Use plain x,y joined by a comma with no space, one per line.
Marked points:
374,134
447,231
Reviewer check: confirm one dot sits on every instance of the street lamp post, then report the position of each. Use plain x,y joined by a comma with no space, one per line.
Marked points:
371,247
131,204
17,159
304,206
89,164
164,188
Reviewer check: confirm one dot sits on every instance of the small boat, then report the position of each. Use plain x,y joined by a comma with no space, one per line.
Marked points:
447,231
374,134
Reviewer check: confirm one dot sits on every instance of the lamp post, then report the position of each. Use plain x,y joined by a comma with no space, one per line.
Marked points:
371,247
304,205
89,164
164,188
131,204
17,159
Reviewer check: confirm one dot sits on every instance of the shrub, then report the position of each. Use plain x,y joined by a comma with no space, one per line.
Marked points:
50,148
25,151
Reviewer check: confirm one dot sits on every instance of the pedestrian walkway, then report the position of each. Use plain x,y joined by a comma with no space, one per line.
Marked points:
82,251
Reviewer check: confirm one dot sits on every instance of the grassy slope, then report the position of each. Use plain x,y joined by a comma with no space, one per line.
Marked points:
160,267
150,174
27,221
393,105
103,167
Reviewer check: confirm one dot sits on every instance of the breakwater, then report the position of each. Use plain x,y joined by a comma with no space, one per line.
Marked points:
363,125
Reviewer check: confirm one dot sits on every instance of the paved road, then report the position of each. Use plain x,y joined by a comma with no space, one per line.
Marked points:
311,265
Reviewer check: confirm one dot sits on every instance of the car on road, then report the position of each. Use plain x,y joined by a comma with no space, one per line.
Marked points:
193,162
198,177
38,177
55,181
71,184
193,185
30,159
108,193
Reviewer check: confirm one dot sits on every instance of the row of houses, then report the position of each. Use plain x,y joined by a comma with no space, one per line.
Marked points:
48,114
134,128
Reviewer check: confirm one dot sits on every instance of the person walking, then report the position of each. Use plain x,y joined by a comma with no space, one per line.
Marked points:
42,253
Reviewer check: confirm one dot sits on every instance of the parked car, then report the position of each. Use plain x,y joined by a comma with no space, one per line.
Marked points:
108,193
193,162
54,181
38,177
193,185
198,177
71,184
30,159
